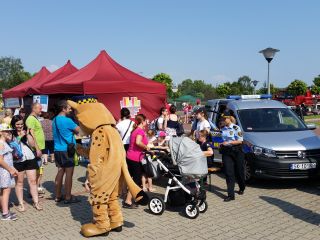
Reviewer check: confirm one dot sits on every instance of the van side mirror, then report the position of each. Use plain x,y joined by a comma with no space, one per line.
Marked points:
311,126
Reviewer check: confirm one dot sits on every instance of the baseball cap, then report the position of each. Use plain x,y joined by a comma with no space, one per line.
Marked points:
201,110
162,134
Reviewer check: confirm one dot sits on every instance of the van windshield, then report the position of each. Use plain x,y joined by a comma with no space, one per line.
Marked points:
270,120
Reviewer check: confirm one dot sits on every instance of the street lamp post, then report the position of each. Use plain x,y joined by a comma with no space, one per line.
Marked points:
174,90
255,83
269,53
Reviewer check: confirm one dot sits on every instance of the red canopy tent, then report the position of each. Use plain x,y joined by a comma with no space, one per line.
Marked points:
114,85
62,72
21,90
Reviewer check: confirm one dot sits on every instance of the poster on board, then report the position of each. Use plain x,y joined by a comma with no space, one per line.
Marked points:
11,103
132,103
43,100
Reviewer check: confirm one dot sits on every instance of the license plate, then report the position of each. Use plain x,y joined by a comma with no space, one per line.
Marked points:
302,166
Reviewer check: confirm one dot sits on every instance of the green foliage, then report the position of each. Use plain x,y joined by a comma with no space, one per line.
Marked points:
18,78
315,89
297,87
245,85
197,88
9,66
11,72
224,90
165,79
264,89
316,81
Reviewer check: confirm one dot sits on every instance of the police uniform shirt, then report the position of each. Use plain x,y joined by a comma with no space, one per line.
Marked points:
231,133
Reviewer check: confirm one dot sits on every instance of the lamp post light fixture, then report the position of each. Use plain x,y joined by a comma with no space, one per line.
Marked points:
255,83
174,88
269,53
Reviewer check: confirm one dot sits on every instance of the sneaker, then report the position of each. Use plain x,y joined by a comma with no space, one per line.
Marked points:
41,190
9,217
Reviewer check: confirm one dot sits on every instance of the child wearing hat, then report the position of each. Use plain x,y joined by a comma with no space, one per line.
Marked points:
7,173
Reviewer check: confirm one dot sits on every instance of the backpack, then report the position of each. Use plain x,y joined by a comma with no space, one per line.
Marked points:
154,125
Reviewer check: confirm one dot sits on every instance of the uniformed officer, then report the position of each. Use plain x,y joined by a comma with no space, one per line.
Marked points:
232,156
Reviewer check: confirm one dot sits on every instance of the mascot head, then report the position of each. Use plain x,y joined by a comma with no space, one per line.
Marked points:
90,113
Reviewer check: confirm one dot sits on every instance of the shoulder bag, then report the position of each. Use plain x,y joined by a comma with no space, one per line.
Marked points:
125,134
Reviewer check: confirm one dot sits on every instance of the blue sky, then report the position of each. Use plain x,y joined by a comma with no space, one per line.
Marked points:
211,40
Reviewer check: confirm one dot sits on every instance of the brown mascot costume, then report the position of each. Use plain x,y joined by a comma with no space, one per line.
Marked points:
106,168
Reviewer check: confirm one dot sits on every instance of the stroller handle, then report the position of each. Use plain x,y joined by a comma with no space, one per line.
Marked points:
158,150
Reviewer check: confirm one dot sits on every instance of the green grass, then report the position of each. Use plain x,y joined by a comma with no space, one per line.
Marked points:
312,117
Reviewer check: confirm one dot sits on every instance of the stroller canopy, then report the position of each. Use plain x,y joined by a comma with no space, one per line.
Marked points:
188,156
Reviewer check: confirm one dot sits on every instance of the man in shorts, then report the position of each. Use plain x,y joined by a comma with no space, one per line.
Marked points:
63,134
35,129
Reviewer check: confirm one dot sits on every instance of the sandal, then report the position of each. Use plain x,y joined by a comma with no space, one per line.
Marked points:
129,206
72,200
21,208
38,206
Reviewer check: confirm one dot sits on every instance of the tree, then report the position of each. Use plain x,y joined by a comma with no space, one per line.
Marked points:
315,89
264,89
316,81
245,85
197,88
223,90
186,87
297,87
165,79
9,66
11,72
17,78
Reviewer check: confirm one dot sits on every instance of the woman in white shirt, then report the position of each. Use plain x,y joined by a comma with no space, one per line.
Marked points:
203,123
125,126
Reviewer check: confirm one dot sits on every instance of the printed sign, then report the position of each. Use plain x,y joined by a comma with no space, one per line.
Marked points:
132,103
11,103
43,100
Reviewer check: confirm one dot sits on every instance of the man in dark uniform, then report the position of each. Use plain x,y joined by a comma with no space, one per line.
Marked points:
232,156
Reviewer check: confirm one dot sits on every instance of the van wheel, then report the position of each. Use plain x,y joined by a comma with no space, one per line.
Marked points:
248,172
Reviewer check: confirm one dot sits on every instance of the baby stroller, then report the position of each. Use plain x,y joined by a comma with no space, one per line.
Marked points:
185,166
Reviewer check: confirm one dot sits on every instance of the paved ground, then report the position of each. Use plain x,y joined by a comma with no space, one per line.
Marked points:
268,210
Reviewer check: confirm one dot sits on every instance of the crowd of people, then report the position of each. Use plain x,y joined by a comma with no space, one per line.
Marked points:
27,144
139,137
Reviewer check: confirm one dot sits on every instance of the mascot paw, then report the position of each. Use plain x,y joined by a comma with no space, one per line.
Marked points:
91,230
116,226
142,198
117,229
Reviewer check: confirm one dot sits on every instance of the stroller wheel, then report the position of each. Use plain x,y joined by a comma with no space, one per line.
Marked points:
191,211
156,205
203,207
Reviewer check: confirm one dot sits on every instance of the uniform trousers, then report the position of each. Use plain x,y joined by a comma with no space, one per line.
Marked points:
233,163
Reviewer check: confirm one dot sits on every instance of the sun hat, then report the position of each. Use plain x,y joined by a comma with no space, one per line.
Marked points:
5,127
